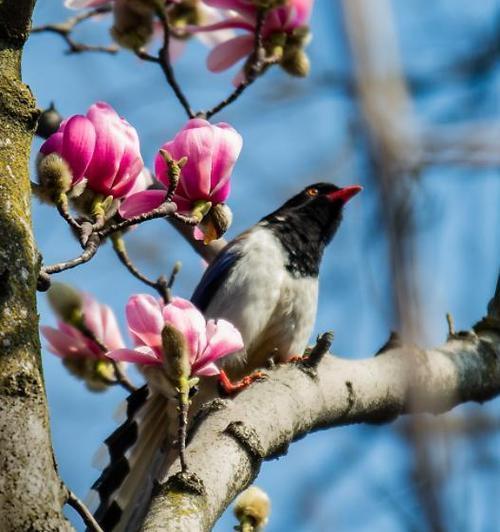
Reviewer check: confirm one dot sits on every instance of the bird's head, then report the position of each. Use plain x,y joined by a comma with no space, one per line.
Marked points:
317,210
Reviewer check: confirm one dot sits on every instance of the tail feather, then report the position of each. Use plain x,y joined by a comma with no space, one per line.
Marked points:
131,449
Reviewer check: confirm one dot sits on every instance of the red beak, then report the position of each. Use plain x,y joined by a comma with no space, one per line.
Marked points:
344,194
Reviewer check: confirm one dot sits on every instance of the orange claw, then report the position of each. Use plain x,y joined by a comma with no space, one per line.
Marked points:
296,358
230,388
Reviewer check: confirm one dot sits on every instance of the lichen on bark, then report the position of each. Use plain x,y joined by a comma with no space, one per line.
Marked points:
31,494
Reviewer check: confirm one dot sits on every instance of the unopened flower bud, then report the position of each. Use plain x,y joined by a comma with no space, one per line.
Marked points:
182,14
54,176
300,36
66,302
49,122
295,62
216,222
252,509
176,356
133,24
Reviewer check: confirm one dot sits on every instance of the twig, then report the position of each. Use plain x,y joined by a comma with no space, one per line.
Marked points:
62,207
165,209
451,325
64,29
160,285
166,65
89,251
75,503
255,68
323,343
121,377
183,405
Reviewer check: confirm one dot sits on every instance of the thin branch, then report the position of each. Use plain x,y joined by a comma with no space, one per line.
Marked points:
257,65
62,207
89,251
160,285
65,29
83,511
166,209
166,65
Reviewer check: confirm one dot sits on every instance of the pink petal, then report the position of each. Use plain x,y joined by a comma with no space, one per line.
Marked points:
92,316
142,202
78,146
145,321
221,27
222,193
225,151
196,144
140,355
230,52
112,335
223,339
143,181
109,147
131,164
67,345
198,234
53,144
245,8
207,371
185,317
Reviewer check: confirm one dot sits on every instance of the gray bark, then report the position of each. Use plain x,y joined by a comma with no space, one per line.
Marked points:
234,438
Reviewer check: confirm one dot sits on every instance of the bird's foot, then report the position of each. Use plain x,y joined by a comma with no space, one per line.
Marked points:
229,388
297,359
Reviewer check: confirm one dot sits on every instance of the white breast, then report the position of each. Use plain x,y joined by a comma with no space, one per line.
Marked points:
274,312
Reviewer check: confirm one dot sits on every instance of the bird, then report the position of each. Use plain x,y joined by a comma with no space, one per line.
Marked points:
265,282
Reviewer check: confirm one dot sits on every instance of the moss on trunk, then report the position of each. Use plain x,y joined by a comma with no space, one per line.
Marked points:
31,494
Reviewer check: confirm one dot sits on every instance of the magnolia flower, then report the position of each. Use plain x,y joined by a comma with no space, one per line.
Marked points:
280,28
101,148
68,341
206,342
81,354
211,152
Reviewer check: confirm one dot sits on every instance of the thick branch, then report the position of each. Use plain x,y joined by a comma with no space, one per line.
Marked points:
231,443
31,495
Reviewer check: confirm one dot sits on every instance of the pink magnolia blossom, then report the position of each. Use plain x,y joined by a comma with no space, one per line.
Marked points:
67,341
285,19
101,147
211,151
207,342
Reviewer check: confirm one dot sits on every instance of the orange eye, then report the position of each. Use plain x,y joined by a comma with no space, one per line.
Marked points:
311,192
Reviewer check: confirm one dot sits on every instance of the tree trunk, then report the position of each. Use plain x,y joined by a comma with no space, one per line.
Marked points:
31,494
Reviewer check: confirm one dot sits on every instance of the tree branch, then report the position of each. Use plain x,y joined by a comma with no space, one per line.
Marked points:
229,445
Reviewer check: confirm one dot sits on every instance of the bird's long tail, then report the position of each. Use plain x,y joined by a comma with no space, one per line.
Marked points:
134,452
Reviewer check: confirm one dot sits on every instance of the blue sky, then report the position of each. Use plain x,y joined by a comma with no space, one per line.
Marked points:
295,132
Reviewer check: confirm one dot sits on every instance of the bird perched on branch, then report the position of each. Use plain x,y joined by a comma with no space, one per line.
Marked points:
265,282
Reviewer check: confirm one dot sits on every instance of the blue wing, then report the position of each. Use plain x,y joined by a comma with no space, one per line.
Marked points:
214,276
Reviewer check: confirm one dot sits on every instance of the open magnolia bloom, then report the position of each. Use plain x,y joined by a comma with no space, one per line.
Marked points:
81,354
284,34
210,153
206,342
100,149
